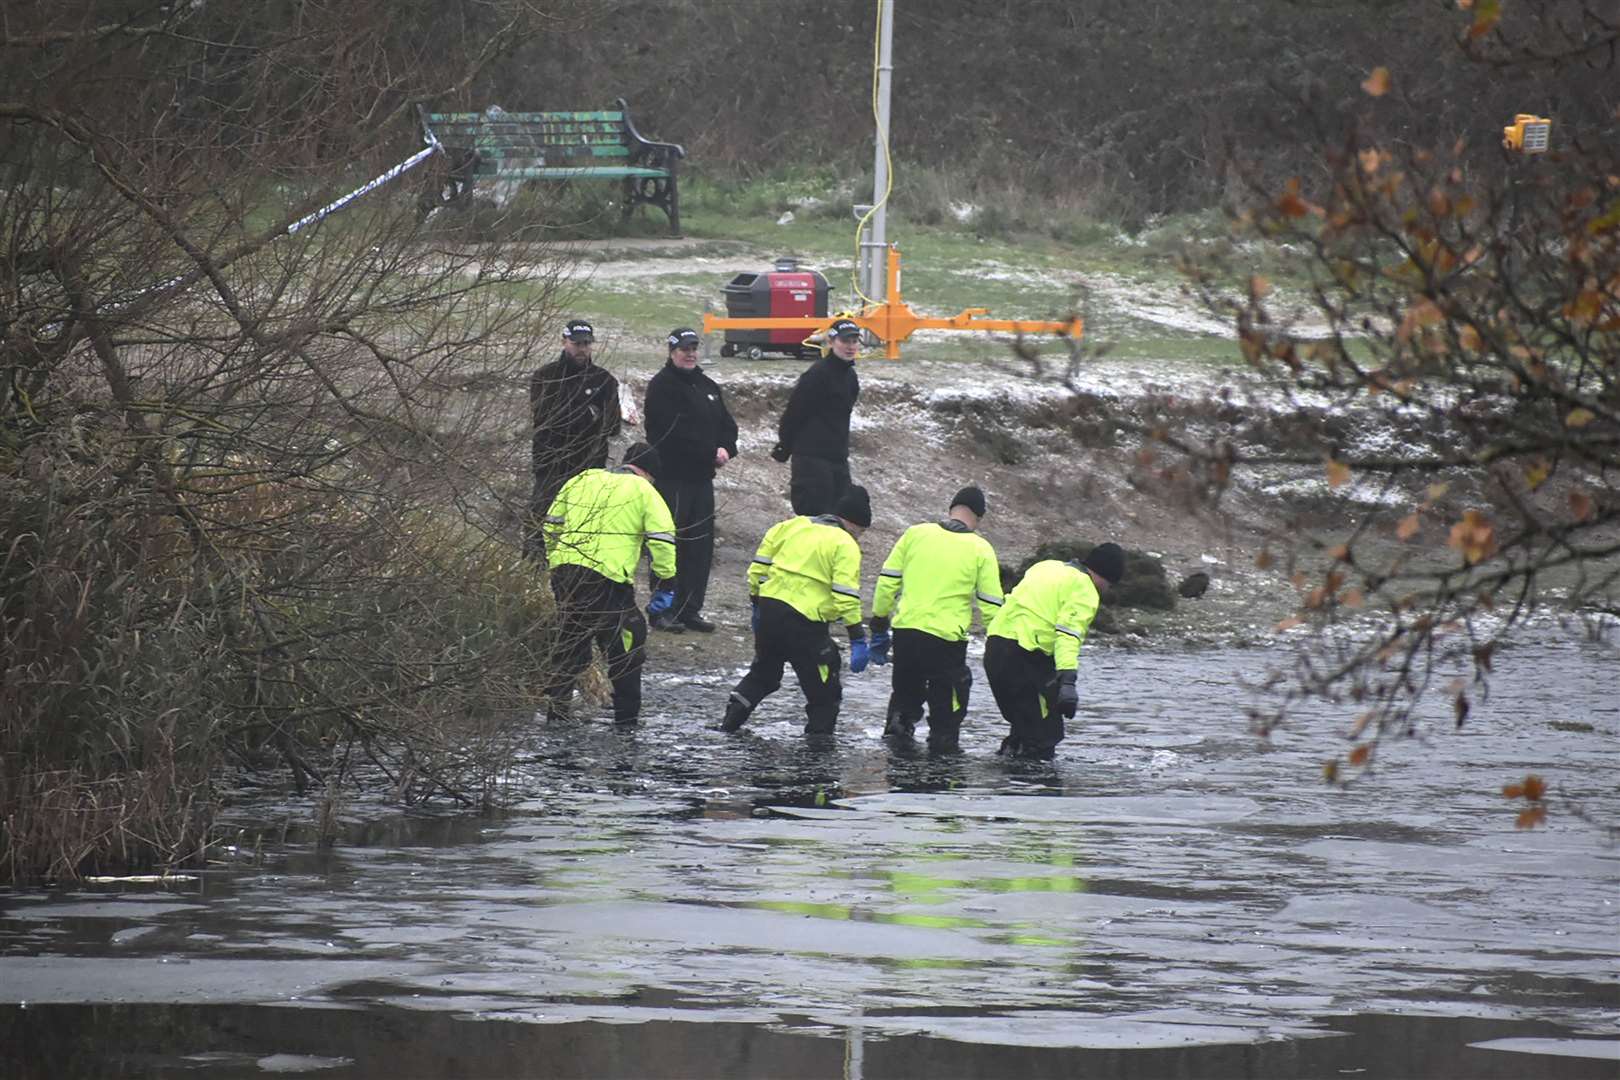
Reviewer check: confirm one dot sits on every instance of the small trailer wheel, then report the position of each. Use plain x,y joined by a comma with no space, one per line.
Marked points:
755,352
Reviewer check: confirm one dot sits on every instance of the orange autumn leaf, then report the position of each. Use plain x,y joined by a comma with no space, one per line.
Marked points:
1487,13
1474,536
1580,505
1338,474
1420,315
1408,527
1376,84
1532,787
1529,819
1360,754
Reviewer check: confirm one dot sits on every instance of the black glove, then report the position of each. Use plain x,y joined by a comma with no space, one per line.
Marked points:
1068,695
781,452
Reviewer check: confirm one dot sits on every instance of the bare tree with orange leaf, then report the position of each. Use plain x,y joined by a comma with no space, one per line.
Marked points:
1470,297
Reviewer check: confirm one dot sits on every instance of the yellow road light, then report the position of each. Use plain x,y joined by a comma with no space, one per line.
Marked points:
1527,134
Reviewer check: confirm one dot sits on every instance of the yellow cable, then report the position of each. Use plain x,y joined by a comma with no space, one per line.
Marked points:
888,163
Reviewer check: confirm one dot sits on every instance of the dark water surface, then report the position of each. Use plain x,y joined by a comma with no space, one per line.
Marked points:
1170,898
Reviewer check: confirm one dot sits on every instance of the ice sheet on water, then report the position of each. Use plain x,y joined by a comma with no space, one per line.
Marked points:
1190,809
1601,1049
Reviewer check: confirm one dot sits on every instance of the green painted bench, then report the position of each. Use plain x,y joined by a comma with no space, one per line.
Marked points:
496,144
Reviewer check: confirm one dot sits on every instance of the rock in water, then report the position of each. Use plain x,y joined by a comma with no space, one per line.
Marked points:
1194,585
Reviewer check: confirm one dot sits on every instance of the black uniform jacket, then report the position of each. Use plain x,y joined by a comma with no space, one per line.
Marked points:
686,420
576,411
816,420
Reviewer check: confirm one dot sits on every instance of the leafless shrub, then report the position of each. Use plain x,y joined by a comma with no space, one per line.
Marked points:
256,482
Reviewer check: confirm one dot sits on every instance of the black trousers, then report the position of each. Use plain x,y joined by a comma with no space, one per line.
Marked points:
593,609
817,484
691,504
929,670
1024,684
787,637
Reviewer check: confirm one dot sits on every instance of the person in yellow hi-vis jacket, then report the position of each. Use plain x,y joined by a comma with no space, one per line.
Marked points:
805,576
594,533
935,571
1032,647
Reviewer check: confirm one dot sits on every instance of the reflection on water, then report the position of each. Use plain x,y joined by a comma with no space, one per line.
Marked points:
1168,886
397,1044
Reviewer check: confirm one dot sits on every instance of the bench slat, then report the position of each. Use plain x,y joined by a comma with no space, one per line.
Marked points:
564,172
518,153
525,118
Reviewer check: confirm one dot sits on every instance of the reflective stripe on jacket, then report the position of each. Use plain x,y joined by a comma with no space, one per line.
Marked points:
600,520
813,565
936,570
1049,611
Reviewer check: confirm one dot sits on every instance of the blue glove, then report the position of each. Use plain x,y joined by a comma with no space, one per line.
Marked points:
859,654
880,647
661,602
753,619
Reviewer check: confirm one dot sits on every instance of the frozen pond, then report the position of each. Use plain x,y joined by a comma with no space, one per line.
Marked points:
1169,897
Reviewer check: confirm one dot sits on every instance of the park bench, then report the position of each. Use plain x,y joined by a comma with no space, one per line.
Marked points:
500,145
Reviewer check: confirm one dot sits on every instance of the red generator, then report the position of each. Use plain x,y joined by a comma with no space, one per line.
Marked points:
786,290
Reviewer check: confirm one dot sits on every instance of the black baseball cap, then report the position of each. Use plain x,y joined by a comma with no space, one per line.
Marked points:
684,337
579,330
844,328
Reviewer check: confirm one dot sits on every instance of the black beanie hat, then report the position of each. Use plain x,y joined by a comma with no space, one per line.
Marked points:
854,507
1108,560
645,458
970,497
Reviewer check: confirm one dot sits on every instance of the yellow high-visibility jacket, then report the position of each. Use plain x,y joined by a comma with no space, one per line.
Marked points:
600,519
812,564
936,570
1049,611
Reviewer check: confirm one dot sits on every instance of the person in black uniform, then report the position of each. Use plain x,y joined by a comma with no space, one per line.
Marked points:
814,430
575,410
688,423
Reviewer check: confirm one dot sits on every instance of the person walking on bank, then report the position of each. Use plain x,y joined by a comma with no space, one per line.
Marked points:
1032,647
805,576
936,571
688,423
814,430
594,534
574,407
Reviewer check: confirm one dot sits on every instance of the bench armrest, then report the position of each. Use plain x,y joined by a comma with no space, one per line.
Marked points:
663,154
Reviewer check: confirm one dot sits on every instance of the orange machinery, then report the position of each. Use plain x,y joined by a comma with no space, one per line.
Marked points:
892,321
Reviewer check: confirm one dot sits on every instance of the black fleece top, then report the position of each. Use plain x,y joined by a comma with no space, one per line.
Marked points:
816,420
687,420
575,408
